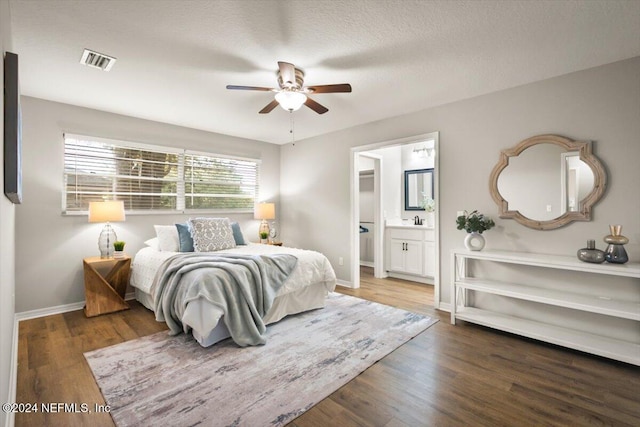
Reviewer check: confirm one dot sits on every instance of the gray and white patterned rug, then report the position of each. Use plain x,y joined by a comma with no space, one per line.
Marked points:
165,380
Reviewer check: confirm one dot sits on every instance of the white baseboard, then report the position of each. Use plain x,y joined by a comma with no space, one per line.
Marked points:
444,306
345,284
13,374
411,277
65,308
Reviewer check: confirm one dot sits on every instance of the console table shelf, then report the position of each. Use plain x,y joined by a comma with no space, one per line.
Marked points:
601,304
595,344
593,304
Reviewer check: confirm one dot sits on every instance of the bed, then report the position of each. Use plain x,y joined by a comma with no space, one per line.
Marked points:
306,288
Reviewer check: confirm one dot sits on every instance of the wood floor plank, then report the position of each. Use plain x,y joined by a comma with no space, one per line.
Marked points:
446,376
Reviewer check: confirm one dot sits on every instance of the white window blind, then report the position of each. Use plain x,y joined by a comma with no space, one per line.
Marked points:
155,178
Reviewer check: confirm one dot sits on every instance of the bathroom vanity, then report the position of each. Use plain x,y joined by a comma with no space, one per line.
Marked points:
410,252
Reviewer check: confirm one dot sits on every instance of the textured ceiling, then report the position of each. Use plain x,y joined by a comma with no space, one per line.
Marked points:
176,57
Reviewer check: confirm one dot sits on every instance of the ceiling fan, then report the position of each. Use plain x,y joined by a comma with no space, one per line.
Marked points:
291,93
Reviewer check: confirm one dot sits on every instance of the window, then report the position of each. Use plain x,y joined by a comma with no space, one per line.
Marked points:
155,178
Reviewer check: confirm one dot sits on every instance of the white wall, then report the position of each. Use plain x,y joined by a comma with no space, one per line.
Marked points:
7,244
600,104
50,247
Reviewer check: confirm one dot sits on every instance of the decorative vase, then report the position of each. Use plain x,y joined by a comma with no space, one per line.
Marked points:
615,252
430,219
590,253
474,241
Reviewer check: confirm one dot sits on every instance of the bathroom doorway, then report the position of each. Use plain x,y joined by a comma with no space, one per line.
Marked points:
380,168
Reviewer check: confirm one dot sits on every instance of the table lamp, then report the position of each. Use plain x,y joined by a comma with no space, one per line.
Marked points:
106,211
264,211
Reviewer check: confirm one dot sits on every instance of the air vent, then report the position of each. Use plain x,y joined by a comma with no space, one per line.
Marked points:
97,60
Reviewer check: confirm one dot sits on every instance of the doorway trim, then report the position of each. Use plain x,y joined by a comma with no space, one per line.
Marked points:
378,218
355,153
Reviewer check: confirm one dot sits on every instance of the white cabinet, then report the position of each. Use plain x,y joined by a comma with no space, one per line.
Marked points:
410,252
406,256
591,342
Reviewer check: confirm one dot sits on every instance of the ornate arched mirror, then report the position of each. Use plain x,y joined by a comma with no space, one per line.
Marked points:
547,181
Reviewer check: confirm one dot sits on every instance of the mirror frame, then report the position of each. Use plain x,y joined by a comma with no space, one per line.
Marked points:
407,173
586,155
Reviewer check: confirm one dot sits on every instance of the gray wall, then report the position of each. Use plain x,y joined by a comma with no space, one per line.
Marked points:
50,247
600,104
7,244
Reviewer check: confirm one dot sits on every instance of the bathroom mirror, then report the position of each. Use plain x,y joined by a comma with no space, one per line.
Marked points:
547,181
418,184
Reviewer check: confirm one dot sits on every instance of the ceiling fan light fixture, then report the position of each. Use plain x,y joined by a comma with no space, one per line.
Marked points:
290,100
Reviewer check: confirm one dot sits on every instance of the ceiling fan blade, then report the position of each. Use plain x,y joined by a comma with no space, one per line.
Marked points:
343,87
318,108
287,73
265,89
270,106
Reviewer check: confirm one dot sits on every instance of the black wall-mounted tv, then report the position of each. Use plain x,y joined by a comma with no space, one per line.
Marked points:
12,130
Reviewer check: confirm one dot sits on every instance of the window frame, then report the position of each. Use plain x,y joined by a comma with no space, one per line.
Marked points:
181,182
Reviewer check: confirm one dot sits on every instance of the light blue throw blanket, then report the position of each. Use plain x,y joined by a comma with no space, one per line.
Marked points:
243,287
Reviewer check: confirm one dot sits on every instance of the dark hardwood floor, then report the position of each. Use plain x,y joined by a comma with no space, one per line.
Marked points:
446,376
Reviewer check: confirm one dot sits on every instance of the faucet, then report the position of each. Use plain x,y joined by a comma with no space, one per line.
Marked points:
417,220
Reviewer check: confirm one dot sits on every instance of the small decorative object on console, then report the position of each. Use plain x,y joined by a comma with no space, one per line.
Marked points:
590,253
615,252
474,223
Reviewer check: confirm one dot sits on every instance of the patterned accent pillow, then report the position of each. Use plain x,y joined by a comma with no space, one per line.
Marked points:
211,234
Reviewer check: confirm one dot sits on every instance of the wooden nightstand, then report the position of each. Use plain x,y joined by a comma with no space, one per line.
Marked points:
105,284
275,243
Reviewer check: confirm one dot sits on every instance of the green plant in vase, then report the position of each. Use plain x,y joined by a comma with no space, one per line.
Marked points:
474,224
118,247
264,235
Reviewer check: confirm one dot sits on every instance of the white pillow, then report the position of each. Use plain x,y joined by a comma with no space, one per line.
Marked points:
167,238
211,234
153,243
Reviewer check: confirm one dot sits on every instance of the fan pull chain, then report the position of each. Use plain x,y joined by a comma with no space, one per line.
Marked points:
291,129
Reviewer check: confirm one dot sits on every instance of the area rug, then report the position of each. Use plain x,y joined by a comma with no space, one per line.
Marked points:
171,380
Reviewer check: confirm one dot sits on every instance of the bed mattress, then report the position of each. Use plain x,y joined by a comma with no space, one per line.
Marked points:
306,288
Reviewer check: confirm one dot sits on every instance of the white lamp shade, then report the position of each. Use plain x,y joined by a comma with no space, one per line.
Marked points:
265,211
291,101
106,211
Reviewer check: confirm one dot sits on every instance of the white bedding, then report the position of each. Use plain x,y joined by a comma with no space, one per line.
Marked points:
305,289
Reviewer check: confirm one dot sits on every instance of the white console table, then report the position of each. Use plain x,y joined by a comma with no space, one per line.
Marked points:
584,341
